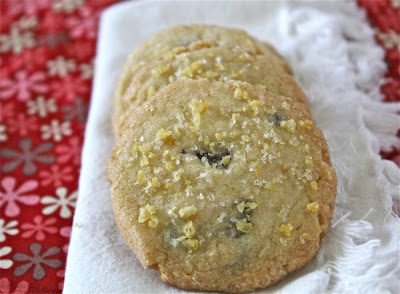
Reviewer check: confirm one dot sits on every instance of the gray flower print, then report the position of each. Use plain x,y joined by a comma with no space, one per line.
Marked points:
78,110
26,156
36,261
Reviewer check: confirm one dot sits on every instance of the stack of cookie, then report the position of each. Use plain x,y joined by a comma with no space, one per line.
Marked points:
221,180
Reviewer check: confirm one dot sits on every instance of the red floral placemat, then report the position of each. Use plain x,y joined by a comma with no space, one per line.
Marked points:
46,65
384,16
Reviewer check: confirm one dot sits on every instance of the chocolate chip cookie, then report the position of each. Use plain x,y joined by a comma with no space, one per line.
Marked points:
221,186
216,64
184,38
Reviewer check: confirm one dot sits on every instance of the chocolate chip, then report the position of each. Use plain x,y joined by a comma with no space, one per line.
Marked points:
277,118
214,158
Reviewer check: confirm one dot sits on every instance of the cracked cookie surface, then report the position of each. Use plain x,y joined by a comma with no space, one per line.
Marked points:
221,186
185,38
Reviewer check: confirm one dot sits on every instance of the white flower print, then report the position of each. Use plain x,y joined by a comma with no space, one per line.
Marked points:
8,228
395,3
5,263
62,201
26,23
16,41
56,130
60,66
3,133
41,106
67,5
86,70
390,39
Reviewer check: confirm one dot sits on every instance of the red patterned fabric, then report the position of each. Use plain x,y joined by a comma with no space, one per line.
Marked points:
46,65
384,16
47,49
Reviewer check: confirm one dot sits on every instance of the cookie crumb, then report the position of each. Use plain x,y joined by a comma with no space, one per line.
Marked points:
187,211
243,226
169,165
314,185
177,130
218,136
226,160
255,103
246,138
155,183
244,56
153,222
140,178
246,206
239,93
286,229
180,239
309,160
313,206
304,237
193,243
240,207
285,105
305,124
189,230
195,66
251,205
150,92
172,213
144,149
192,128
198,107
290,125
144,162
159,70
211,74
232,135
148,213
220,66
235,117
162,134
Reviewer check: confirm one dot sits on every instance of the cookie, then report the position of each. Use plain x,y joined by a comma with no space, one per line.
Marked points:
186,38
221,186
217,64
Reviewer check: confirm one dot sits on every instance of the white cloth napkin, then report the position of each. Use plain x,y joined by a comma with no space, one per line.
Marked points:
331,49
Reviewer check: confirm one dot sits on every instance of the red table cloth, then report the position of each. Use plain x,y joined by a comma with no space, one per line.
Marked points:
46,64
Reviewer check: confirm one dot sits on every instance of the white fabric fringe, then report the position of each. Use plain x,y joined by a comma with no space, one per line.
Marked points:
334,57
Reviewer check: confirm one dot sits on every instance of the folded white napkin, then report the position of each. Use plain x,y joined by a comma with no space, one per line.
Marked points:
335,59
